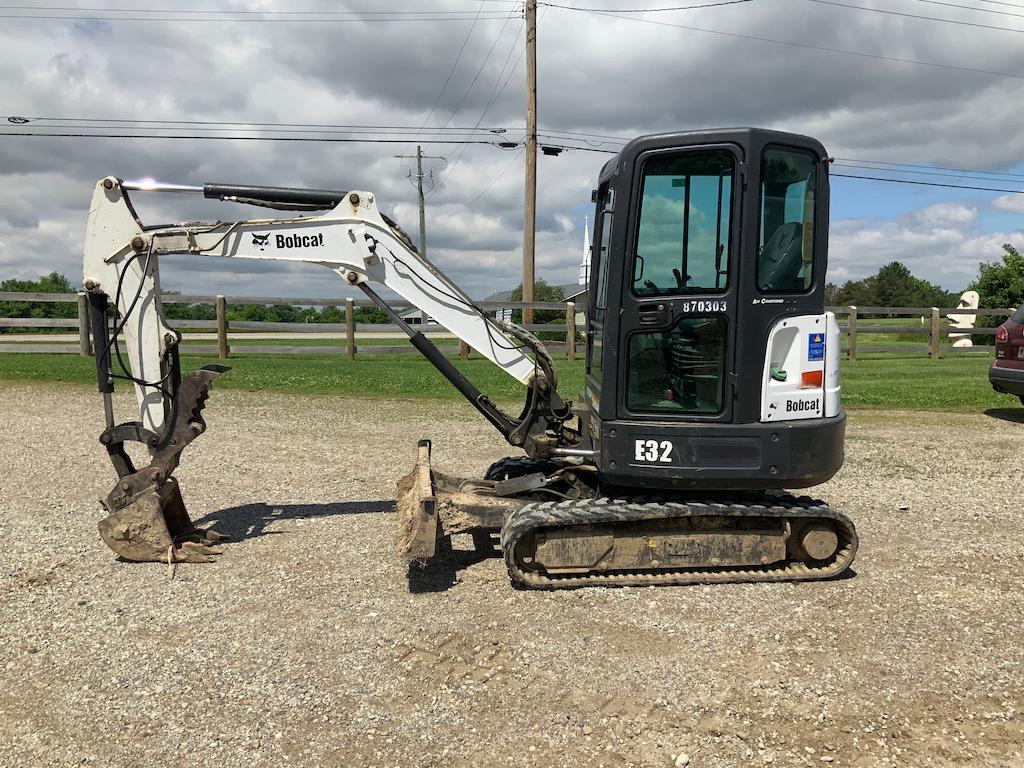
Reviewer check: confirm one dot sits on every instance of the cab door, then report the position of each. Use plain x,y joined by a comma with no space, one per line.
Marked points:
678,310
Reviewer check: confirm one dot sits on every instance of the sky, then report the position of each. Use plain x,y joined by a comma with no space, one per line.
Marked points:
458,64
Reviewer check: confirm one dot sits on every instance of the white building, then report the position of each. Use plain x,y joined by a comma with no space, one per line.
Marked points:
584,279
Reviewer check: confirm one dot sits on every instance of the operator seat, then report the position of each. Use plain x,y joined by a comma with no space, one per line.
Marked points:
778,269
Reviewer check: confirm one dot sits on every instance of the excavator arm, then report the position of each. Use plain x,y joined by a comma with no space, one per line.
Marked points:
351,237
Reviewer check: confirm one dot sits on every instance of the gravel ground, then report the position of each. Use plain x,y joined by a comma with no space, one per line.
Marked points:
309,643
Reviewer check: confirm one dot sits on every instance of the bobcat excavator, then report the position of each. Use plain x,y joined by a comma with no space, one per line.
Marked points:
711,386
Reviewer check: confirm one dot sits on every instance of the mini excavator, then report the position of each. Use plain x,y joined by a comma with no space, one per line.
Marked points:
711,384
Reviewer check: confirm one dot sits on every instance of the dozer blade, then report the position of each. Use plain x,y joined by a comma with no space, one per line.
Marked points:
416,508
147,519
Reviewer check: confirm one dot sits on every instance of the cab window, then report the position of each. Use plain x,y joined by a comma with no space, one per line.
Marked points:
785,262
681,370
682,243
599,258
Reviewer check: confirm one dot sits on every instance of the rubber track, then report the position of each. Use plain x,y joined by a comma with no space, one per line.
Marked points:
599,511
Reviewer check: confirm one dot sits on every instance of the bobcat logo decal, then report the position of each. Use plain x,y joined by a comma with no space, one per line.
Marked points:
260,241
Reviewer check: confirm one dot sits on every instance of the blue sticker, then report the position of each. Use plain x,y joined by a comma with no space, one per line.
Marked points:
816,346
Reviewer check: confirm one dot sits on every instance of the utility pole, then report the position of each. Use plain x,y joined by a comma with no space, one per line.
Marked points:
530,207
419,189
420,157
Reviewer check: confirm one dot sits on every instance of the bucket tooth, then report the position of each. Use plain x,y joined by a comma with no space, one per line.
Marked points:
416,508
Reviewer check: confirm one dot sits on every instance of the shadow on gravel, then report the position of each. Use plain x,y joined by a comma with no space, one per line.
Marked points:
1014,415
251,520
440,573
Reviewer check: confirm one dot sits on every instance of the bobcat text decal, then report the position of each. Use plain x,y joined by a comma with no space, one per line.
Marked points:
300,241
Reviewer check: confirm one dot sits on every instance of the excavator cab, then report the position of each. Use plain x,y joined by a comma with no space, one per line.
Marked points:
710,360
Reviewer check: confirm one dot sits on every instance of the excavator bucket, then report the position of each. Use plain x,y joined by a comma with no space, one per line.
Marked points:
147,520
154,526
417,509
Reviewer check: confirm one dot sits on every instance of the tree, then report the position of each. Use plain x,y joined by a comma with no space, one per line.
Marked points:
897,287
1001,284
374,315
894,286
51,283
541,292
857,292
188,311
831,292
330,315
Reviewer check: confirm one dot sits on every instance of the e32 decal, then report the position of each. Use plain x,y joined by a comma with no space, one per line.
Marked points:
653,451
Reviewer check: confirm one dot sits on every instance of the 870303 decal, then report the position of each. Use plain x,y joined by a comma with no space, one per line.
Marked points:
706,305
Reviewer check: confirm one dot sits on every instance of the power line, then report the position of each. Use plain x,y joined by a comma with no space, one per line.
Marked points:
924,173
206,137
495,92
1012,176
810,46
371,131
916,16
22,120
1009,176
853,176
392,17
587,135
451,72
928,183
975,8
647,10
479,71
239,12
591,142
1000,2
483,191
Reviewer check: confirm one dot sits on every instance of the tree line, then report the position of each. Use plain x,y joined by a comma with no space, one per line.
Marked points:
271,313
892,286
1000,283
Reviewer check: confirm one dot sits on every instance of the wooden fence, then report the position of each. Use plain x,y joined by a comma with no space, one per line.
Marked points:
849,318
223,326
932,328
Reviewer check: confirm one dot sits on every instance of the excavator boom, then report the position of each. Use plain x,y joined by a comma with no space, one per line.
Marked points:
354,240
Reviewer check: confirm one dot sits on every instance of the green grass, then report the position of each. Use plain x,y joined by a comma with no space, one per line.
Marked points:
242,341
957,382
953,383
405,376
239,340
913,339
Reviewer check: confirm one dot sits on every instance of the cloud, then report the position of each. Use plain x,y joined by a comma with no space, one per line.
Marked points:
597,75
1012,203
940,243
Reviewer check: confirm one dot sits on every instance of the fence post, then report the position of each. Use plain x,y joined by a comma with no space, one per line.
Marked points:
463,350
350,329
84,348
570,331
851,323
222,327
935,334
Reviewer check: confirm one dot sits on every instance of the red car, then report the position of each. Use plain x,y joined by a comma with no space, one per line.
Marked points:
1007,372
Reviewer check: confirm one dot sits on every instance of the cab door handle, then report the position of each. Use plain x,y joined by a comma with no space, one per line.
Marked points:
651,313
